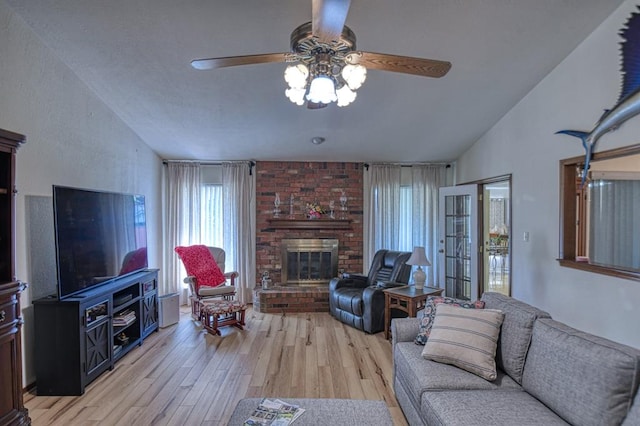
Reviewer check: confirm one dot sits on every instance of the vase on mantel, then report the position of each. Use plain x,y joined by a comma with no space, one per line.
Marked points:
314,211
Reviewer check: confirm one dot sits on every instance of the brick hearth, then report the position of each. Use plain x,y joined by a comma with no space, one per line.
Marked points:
291,299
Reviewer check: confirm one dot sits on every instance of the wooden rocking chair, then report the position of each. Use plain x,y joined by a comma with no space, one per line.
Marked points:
199,292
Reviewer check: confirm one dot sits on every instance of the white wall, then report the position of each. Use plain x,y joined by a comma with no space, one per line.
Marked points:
523,143
73,139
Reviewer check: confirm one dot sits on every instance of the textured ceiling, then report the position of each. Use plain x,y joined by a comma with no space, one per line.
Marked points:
135,56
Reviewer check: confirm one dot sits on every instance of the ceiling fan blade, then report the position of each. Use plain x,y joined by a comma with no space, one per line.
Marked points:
403,64
232,61
328,19
315,105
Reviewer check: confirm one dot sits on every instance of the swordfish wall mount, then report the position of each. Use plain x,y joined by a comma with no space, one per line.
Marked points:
628,104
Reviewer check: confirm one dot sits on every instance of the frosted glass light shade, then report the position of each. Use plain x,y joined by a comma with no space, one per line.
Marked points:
354,75
296,76
322,90
295,95
345,96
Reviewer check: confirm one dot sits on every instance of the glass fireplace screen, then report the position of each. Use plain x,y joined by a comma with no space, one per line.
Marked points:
309,262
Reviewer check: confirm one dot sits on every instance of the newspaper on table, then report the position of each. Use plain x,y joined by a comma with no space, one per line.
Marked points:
274,412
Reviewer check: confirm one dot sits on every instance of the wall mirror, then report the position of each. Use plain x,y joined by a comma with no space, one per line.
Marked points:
600,220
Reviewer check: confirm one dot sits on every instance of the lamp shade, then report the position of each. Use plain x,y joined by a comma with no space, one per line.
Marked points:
418,257
322,90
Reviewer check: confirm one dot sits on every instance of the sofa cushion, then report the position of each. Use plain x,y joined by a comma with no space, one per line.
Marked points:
199,262
418,375
429,312
515,334
216,291
633,417
472,408
587,380
410,409
466,338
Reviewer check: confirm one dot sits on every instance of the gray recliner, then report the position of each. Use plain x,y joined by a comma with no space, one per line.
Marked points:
358,300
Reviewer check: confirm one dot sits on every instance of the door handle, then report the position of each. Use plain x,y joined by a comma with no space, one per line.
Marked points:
441,251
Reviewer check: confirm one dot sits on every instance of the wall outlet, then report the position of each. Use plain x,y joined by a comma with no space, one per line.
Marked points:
525,236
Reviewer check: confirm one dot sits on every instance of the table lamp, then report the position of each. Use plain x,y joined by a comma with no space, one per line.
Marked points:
419,258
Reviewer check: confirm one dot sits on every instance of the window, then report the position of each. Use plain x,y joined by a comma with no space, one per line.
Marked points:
599,220
211,226
403,209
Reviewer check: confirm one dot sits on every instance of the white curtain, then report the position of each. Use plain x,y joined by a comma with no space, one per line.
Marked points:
238,186
382,210
615,223
181,219
425,181
211,222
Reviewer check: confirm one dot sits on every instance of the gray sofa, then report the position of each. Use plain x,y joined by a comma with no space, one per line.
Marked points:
548,374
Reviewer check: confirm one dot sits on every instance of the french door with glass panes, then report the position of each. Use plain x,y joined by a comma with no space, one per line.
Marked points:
459,247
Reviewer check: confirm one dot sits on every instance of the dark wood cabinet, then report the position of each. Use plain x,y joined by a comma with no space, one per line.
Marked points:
149,306
80,337
12,411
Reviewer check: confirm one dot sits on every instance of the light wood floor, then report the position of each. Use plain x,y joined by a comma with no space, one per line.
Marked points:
184,376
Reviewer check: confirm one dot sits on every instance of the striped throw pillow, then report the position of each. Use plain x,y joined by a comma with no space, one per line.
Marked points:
466,338
429,313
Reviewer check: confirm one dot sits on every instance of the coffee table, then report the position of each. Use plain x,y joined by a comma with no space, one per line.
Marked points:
323,411
408,299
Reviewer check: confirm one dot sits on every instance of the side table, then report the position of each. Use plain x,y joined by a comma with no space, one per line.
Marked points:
407,299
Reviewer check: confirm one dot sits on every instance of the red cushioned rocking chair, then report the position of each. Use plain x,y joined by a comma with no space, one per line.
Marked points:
209,266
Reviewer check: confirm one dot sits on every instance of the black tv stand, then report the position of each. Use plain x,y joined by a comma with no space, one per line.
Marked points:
80,337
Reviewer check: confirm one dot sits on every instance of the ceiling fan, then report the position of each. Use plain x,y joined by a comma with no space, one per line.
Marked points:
327,67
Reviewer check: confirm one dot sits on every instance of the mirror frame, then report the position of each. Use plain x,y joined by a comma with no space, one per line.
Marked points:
569,186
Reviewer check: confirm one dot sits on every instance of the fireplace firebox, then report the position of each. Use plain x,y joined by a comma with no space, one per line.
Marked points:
309,262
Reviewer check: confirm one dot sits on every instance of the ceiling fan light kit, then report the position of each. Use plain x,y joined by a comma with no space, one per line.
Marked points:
327,67
322,74
321,88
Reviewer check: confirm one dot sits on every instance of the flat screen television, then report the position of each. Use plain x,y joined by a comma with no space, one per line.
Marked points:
99,236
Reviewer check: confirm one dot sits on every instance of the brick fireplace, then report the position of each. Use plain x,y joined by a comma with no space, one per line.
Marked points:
308,182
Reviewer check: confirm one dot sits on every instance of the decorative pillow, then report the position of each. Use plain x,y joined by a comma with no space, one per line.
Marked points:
466,338
199,263
430,312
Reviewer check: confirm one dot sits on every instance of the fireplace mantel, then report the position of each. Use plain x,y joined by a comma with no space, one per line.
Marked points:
310,223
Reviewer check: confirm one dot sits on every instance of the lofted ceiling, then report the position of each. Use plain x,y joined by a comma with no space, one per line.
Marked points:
135,56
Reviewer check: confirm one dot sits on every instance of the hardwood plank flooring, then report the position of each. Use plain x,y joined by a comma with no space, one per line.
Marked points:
184,376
